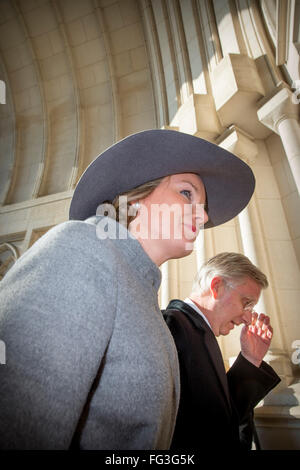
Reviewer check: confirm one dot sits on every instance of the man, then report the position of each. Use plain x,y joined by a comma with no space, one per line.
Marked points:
215,405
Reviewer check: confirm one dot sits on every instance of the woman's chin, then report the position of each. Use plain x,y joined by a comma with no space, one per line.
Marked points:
184,249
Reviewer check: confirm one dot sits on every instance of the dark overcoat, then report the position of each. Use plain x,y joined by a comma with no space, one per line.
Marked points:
213,403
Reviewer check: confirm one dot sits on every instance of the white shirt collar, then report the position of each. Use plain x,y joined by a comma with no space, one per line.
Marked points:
194,306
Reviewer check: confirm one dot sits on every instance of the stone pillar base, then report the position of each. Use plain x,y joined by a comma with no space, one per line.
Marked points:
278,422
277,416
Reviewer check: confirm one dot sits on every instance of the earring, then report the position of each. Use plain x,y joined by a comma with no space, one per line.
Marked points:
136,205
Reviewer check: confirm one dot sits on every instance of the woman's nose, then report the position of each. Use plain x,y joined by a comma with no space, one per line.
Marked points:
200,215
205,217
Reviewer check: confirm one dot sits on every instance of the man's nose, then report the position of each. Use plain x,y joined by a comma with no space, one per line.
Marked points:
247,316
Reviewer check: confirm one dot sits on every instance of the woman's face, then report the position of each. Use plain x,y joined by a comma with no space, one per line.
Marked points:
170,218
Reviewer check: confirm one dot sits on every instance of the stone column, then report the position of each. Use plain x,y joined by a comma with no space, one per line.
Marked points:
280,114
277,413
241,144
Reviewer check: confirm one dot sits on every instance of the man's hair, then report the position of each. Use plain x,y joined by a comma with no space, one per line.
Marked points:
232,267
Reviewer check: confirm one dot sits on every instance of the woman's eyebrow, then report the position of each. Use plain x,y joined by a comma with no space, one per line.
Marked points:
195,187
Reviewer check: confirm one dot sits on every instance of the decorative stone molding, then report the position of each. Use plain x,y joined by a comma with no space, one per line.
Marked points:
9,247
10,257
37,233
240,143
237,87
282,31
41,201
235,74
197,116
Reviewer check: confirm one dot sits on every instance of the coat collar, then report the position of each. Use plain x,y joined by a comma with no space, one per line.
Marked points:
130,249
210,341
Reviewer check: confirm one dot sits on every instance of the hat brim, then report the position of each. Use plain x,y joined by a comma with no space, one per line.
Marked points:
229,182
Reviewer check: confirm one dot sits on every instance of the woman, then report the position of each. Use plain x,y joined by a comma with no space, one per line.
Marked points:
90,362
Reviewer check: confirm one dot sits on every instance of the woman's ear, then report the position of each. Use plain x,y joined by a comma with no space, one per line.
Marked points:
133,208
216,286
137,205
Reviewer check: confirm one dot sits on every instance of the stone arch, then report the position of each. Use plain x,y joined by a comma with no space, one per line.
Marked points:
8,256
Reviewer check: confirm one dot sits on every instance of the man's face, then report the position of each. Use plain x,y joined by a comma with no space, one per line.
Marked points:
234,305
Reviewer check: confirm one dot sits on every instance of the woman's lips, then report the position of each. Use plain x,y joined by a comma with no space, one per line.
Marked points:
190,232
191,228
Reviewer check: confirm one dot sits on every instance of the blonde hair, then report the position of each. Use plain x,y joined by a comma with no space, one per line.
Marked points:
232,267
139,193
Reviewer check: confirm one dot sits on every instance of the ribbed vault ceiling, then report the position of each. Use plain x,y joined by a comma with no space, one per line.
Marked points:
70,79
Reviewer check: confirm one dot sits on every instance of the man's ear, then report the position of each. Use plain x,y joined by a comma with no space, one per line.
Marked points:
215,286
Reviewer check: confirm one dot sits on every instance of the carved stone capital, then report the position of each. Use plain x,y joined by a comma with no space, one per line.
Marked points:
277,109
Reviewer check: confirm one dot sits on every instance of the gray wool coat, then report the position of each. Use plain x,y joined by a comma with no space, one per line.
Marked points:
89,358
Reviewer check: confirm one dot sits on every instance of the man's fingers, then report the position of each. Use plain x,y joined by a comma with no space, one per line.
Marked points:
253,328
253,322
266,323
268,333
260,326
259,323
260,319
262,323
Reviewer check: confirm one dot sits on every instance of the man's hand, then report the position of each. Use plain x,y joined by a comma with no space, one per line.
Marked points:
256,338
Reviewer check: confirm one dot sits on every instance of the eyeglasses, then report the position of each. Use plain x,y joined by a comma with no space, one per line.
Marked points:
248,305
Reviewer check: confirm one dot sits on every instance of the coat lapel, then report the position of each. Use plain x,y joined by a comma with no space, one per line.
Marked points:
210,342
217,360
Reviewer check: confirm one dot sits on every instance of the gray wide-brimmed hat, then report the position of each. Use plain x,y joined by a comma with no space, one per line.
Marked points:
152,154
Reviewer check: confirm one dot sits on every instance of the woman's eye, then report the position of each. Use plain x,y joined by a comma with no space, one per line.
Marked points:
186,193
